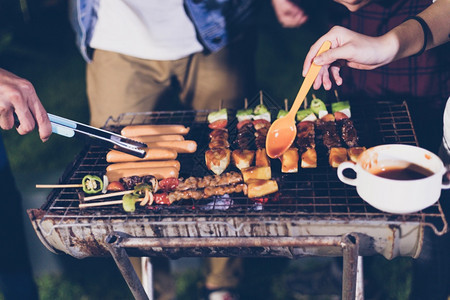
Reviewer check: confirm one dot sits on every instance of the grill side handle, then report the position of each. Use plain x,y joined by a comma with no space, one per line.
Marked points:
35,216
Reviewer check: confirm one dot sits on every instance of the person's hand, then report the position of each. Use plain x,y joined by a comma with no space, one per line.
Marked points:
353,5
351,49
18,95
289,14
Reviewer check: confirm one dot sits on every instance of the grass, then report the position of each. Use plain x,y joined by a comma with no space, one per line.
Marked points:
44,52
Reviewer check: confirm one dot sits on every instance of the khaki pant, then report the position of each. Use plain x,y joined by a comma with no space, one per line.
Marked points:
119,83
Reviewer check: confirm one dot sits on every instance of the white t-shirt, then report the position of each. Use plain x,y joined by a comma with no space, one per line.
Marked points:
148,29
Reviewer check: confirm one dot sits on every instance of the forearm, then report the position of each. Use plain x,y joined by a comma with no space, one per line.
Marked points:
407,39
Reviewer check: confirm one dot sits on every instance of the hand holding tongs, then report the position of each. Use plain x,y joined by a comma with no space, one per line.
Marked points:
69,128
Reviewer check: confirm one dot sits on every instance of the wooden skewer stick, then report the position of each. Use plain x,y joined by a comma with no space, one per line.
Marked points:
305,103
260,97
108,195
220,104
286,104
245,103
104,203
56,186
314,96
337,96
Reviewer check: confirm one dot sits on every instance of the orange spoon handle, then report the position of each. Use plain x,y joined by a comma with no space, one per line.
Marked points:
309,80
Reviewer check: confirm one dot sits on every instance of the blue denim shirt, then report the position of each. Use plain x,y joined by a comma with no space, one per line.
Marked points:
217,22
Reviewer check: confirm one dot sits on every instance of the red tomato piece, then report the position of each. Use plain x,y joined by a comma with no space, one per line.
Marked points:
115,186
161,198
242,123
168,184
340,116
218,124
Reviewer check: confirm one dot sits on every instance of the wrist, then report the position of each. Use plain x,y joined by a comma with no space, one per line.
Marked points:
389,46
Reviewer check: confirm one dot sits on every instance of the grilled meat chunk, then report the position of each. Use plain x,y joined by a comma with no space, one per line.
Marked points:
246,137
221,133
260,137
305,136
218,143
130,182
348,133
212,180
330,135
197,194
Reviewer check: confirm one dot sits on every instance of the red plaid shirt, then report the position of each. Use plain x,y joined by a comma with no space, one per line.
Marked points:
424,76
421,80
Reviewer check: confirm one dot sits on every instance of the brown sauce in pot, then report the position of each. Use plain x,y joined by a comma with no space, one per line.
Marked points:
411,172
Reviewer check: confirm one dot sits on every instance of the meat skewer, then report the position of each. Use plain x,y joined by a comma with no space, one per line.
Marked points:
213,181
170,197
217,158
262,126
243,156
348,132
306,143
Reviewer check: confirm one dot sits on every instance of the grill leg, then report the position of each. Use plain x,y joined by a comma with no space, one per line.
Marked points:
126,268
147,276
360,280
350,258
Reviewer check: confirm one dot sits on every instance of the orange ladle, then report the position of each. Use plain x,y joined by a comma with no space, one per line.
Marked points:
282,133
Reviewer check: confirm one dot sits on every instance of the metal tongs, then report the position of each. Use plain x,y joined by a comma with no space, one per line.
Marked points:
111,140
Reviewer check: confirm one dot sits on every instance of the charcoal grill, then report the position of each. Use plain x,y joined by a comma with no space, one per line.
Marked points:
314,213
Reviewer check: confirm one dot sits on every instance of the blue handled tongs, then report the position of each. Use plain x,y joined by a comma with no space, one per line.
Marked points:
111,140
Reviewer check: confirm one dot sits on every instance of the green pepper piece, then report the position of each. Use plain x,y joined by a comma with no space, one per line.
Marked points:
260,109
140,189
317,105
282,113
301,114
92,184
129,202
339,106
217,115
244,114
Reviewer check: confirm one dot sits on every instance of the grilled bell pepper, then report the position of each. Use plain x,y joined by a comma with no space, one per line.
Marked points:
342,106
261,112
218,115
129,202
92,184
282,113
244,114
305,115
318,107
140,189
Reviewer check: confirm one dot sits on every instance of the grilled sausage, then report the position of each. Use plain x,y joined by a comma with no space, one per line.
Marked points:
144,164
188,146
138,130
156,138
114,156
159,173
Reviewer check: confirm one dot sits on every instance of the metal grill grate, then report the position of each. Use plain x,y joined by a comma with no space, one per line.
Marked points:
310,194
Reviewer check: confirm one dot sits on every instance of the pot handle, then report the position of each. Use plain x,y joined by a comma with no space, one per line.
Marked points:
342,177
